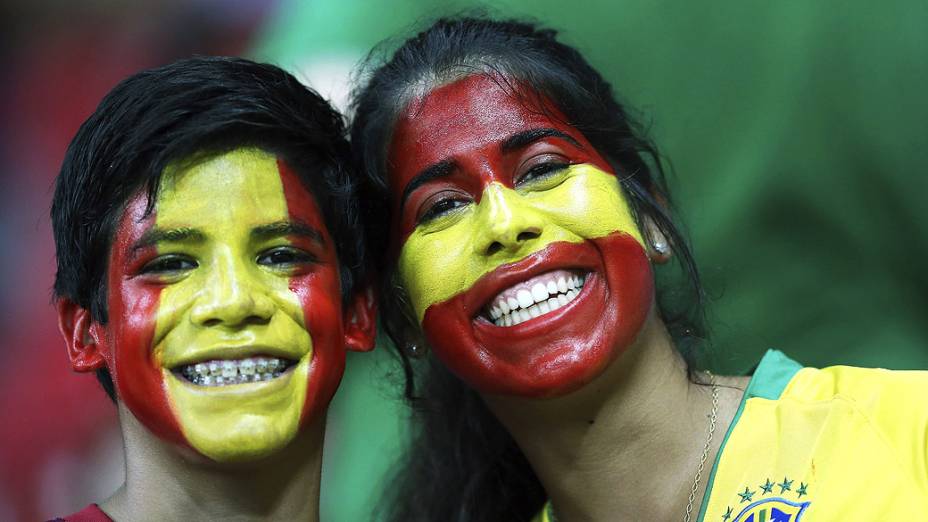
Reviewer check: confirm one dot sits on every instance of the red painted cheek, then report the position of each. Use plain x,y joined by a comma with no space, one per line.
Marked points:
320,301
133,309
319,293
560,356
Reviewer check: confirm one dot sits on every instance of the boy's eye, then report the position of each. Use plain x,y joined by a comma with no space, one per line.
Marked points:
169,264
541,171
284,256
440,208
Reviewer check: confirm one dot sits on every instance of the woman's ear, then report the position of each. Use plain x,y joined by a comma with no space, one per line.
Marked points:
80,336
659,250
360,321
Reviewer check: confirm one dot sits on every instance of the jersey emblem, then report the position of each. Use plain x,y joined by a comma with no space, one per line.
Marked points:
773,509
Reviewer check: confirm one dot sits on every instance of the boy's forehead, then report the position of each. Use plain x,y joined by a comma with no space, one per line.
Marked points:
241,184
246,187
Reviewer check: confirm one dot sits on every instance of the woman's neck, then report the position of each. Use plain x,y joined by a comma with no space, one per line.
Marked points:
627,445
162,483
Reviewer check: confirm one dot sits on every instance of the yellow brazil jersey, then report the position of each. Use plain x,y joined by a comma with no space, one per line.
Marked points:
835,444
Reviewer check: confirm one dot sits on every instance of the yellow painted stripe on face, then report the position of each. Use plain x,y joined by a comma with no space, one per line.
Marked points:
225,197
447,255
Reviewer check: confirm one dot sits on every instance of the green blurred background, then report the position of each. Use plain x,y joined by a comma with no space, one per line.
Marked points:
797,133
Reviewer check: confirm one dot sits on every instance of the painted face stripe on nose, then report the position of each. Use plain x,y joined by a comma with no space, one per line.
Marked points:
139,382
326,367
443,259
221,292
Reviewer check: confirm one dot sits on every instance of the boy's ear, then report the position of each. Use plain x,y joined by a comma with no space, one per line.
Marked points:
80,336
361,320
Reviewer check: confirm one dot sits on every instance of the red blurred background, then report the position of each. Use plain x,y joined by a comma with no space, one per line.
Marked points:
59,444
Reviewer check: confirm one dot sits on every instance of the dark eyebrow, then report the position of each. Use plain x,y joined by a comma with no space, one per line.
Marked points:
155,235
434,171
287,228
521,139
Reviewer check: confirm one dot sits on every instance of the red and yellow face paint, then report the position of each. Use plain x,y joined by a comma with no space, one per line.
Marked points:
492,196
235,263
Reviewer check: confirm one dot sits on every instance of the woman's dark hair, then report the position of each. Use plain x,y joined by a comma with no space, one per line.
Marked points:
462,464
193,108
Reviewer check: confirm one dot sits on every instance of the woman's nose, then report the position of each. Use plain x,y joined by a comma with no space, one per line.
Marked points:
506,222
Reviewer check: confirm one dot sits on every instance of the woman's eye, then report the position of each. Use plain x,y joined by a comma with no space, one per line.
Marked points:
541,171
169,264
441,208
285,256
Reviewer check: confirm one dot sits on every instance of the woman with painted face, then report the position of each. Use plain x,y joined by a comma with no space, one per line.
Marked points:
554,372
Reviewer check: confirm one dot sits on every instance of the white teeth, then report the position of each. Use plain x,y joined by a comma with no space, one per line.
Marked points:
552,287
223,372
553,304
543,306
539,292
544,297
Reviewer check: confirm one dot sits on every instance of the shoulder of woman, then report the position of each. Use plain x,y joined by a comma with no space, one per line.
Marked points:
893,403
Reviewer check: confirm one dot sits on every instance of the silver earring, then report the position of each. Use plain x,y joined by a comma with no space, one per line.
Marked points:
660,247
414,350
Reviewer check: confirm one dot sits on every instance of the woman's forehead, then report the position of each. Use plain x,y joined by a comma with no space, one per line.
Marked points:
467,115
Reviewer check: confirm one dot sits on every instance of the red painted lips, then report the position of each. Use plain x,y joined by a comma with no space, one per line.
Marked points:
557,352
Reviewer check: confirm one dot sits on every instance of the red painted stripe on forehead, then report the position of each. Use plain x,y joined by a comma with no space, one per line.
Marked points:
319,292
133,311
473,131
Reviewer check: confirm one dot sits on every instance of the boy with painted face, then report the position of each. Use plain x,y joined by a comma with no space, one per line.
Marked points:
208,267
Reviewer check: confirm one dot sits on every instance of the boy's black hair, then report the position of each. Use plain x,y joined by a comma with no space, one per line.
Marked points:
196,106
462,464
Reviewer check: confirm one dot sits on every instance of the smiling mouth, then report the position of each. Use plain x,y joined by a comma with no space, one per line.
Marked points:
534,297
223,372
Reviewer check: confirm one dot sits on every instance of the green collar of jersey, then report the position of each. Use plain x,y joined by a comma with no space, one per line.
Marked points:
770,378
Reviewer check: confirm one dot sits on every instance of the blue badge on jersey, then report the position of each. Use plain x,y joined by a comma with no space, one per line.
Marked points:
774,509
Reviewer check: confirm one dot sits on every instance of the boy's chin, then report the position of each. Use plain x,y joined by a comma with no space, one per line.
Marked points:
245,448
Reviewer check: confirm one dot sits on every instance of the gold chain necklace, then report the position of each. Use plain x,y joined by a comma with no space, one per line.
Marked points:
713,417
